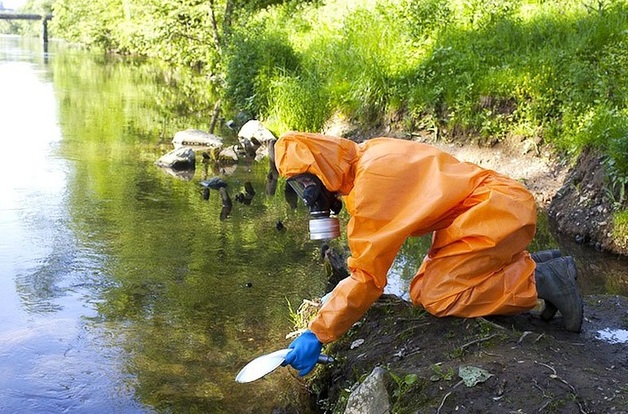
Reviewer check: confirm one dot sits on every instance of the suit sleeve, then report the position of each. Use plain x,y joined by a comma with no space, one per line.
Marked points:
373,252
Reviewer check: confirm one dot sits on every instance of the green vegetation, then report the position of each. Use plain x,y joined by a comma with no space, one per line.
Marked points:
446,374
472,69
554,70
620,228
402,385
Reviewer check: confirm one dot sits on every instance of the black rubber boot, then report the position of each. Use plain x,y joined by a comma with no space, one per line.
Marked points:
556,284
545,255
539,257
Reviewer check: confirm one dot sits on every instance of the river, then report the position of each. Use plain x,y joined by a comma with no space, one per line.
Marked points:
121,288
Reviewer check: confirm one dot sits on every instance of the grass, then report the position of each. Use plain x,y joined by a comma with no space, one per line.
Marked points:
490,68
620,228
486,69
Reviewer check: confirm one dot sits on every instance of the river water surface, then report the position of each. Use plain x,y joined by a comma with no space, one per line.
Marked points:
121,288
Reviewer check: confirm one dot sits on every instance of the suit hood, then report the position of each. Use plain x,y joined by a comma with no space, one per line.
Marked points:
331,159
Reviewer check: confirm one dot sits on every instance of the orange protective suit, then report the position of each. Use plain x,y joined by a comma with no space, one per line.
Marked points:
481,221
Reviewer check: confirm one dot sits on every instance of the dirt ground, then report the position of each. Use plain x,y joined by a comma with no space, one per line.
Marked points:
534,366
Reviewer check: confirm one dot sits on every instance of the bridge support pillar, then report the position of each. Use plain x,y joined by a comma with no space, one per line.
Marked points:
44,29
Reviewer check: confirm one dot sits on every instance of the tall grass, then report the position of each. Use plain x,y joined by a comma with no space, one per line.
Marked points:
539,69
298,103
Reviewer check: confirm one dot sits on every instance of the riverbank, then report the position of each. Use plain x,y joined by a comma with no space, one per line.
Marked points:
532,366
573,192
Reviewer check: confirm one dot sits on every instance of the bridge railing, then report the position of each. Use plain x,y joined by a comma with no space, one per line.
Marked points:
26,16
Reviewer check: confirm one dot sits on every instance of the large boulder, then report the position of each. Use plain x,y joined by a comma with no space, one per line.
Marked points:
371,396
255,138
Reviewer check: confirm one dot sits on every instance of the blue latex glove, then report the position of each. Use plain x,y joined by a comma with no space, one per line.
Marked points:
305,351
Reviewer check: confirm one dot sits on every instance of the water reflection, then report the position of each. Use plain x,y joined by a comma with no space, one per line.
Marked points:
39,287
598,272
52,360
613,336
185,175
125,269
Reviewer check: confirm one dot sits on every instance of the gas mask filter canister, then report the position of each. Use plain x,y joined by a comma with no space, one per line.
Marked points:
322,204
323,227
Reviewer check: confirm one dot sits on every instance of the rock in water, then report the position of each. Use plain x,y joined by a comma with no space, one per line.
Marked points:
179,159
255,137
196,138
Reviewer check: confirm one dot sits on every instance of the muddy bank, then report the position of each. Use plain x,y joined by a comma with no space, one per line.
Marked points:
534,366
583,208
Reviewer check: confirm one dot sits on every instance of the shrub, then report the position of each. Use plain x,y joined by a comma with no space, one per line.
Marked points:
256,59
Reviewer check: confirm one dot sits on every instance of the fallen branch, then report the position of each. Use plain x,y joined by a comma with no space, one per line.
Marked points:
493,324
526,333
555,376
440,407
465,346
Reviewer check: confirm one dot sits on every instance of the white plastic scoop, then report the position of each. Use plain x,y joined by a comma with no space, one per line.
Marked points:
266,364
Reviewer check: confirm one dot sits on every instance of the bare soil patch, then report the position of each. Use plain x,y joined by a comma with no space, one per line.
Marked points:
535,366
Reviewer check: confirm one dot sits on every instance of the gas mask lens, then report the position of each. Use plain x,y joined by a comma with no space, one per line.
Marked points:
321,204
305,187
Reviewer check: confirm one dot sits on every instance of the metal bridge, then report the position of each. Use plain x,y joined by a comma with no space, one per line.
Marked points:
21,16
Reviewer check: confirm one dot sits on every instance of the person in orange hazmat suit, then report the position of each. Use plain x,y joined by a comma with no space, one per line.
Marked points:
481,223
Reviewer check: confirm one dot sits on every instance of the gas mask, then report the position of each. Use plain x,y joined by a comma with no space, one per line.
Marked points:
321,203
